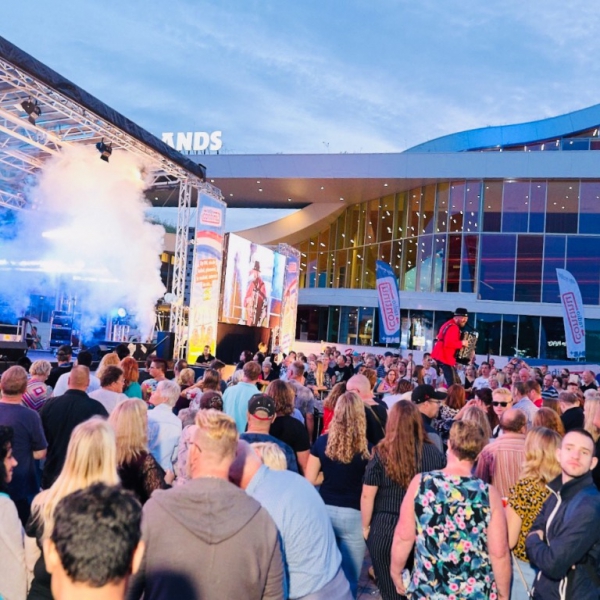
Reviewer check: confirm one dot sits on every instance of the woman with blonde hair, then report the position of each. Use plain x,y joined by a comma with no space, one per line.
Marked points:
138,469
108,360
590,410
37,391
546,417
479,417
131,374
271,455
404,451
527,498
91,458
341,455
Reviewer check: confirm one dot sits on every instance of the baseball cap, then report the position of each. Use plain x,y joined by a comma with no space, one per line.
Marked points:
262,402
422,393
461,312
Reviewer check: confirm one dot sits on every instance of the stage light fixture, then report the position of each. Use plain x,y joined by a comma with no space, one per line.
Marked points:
104,149
32,109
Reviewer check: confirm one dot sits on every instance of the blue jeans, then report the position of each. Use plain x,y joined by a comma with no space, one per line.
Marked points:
347,525
519,592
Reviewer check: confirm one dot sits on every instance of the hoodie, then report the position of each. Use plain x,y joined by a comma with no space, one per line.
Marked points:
208,539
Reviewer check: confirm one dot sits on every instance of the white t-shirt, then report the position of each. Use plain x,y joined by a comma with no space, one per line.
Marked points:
108,399
481,382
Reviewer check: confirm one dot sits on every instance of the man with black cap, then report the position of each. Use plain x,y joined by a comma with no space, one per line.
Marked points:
261,413
428,402
448,343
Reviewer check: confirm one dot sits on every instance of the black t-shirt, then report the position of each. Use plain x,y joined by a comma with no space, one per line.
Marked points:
290,430
340,373
573,418
56,372
60,416
205,360
342,483
376,419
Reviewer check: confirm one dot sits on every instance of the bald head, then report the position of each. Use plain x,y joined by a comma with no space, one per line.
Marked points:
244,466
79,378
513,420
360,385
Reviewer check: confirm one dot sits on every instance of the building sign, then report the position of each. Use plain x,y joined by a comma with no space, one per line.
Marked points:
206,279
194,141
389,304
573,318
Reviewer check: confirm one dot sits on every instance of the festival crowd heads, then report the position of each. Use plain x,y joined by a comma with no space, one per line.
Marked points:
300,477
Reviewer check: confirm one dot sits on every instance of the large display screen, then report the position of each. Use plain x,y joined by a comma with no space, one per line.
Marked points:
253,284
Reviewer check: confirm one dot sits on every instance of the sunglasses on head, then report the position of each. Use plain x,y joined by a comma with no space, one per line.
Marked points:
504,404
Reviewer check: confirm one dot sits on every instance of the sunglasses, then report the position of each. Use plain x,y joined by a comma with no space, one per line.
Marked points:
504,404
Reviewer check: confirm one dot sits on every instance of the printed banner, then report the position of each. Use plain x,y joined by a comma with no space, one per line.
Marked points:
573,318
284,337
389,304
206,276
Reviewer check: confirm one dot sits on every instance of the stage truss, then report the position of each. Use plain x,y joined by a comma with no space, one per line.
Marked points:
71,116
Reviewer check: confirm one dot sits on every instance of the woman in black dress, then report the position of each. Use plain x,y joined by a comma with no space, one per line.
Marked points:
405,451
138,469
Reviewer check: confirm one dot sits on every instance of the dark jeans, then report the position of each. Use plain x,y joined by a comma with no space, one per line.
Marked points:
450,374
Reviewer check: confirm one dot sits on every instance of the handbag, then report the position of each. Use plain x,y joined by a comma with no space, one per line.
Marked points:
522,577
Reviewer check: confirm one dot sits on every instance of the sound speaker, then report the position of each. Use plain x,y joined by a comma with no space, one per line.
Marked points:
165,344
12,351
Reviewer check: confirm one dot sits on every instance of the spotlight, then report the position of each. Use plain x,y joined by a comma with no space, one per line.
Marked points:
32,109
104,149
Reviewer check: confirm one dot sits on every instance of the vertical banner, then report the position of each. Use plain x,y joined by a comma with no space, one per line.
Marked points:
206,275
285,335
573,318
389,304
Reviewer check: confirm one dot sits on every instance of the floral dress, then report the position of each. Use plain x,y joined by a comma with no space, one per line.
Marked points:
451,559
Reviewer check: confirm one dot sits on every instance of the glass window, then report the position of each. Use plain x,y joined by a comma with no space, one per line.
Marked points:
552,339
311,269
303,248
489,328
583,144
322,269
428,209
414,213
386,221
529,335
472,202
421,330
469,263
537,207
356,263
497,267
371,221
453,275
369,257
443,191
441,317
385,252
404,328
352,219
409,262
562,207
400,224
425,251
348,325
334,324
439,262
509,335
457,205
589,216
530,253
583,264
396,260
341,231
515,207
554,258
365,326
492,205
592,340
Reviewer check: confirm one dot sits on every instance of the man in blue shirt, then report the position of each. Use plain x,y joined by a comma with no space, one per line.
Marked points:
312,559
236,397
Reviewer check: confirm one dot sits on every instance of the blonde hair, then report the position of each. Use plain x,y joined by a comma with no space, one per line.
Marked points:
108,360
540,461
479,417
347,435
320,372
41,368
217,433
467,439
590,410
91,458
186,376
271,455
130,422
502,395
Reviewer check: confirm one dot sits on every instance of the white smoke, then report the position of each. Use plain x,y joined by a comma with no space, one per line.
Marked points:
87,235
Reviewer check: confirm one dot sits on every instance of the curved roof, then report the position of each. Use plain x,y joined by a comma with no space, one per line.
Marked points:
509,135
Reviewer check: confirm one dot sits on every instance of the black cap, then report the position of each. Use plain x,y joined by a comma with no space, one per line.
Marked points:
422,393
461,312
262,402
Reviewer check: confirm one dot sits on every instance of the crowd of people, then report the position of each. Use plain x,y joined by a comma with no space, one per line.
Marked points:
469,481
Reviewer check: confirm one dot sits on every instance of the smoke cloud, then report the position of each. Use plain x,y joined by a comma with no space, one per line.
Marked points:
86,236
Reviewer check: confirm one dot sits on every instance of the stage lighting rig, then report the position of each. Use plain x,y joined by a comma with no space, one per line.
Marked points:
104,149
32,109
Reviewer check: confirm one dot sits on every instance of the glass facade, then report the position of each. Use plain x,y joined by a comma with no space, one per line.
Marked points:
502,240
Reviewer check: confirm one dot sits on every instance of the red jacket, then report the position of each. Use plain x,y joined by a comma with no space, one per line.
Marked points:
448,343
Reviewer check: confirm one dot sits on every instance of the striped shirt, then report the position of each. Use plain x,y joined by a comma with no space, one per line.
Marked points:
549,393
500,462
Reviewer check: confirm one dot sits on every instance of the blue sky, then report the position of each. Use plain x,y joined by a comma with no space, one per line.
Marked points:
319,76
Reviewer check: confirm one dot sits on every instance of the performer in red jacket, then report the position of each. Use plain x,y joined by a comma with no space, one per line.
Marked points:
448,342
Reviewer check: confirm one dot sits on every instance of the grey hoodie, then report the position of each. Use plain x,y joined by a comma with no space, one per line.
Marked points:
208,540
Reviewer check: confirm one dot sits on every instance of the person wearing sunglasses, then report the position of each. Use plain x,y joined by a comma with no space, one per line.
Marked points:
501,401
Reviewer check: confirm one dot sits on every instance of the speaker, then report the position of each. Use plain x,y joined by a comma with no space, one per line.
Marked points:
165,344
12,351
